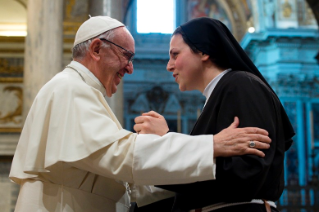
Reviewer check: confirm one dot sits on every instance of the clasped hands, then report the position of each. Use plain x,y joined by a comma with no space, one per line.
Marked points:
231,141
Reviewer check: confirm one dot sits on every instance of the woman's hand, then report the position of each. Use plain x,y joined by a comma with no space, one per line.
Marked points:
151,123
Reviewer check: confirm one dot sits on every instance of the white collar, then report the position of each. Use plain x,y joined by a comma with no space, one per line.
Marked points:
86,70
210,87
91,79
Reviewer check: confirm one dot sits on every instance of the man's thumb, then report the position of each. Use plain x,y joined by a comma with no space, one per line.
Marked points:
235,123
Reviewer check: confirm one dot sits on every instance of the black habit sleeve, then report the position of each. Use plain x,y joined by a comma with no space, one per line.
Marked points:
239,178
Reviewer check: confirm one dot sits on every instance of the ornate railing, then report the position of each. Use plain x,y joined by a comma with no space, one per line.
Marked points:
299,199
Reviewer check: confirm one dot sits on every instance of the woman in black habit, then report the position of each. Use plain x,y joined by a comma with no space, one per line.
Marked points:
205,56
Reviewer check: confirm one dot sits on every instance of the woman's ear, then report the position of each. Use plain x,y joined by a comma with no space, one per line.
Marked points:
95,49
205,57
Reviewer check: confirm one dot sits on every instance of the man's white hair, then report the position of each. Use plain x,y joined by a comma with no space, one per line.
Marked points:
79,51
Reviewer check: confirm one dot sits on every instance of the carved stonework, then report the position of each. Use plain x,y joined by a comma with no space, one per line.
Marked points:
295,85
305,15
76,12
314,5
11,107
153,88
11,67
11,90
237,15
8,190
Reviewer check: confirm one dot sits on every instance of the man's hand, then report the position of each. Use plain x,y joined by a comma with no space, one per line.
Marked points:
151,123
234,141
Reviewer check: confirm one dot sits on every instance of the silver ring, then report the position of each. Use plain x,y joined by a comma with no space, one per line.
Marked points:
252,144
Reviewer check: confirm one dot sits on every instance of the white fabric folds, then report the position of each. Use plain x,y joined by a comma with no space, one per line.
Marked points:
74,132
197,166
73,144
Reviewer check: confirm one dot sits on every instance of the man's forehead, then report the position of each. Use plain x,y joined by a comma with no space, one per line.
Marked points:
124,37
122,32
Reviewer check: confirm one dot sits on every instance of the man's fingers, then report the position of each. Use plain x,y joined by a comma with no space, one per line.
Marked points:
255,130
255,152
260,145
253,137
258,137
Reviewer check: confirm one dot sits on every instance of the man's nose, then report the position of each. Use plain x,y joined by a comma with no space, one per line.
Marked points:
129,68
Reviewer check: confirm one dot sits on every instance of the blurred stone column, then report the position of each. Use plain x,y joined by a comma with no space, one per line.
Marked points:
43,47
114,9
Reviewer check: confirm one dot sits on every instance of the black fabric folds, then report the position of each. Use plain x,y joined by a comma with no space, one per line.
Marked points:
213,38
246,177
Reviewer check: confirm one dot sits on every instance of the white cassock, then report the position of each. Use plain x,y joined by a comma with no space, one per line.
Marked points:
73,155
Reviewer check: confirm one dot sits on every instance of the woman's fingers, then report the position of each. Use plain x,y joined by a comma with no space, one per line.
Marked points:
137,128
152,113
151,123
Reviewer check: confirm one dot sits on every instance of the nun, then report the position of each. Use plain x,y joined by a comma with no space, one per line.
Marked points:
205,56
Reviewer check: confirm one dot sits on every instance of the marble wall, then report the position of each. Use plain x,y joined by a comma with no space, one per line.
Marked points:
25,65
9,191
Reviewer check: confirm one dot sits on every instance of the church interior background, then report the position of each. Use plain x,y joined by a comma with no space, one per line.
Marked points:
280,36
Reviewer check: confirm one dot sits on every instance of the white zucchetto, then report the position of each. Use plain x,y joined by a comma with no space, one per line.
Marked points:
95,26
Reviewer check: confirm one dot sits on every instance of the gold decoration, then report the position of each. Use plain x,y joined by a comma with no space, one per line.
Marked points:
7,68
11,40
11,79
11,130
10,116
17,51
286,9
68,10
23,3
76,11
70,28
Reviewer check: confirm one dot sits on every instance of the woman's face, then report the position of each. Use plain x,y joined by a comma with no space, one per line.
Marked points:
186,66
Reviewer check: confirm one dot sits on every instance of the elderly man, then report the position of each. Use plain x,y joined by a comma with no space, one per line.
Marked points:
73,154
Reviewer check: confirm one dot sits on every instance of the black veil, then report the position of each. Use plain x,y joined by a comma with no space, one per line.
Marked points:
213,38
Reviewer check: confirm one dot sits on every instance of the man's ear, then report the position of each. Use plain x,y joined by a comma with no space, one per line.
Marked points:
95,49
205,57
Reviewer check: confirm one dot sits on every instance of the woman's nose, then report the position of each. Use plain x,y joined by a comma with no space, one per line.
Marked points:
170,66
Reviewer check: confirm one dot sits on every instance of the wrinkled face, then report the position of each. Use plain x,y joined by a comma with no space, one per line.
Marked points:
186,66
114,62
